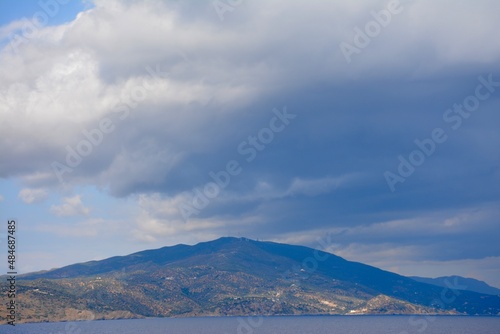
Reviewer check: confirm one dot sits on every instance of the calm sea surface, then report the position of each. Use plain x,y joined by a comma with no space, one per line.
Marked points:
272,325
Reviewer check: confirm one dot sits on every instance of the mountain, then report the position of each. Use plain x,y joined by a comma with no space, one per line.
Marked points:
231,276
462,283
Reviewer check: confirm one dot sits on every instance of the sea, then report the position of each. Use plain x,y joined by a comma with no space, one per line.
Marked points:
357,324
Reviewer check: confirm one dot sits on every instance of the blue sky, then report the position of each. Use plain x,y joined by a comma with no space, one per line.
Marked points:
59,12
129,125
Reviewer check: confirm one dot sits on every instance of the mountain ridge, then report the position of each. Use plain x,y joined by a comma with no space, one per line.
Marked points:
465,283
235,276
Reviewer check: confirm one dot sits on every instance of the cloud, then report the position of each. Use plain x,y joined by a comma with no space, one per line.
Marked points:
7,30
207,89
184,89
441,236
30,196
72,206
161,219
1,198
91,227
316,187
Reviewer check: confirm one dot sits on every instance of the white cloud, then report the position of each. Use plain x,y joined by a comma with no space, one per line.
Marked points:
30,196
161,219
72,206
311,187
87,67
315,187
91,227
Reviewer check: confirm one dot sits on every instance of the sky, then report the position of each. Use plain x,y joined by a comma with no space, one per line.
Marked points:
129,125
